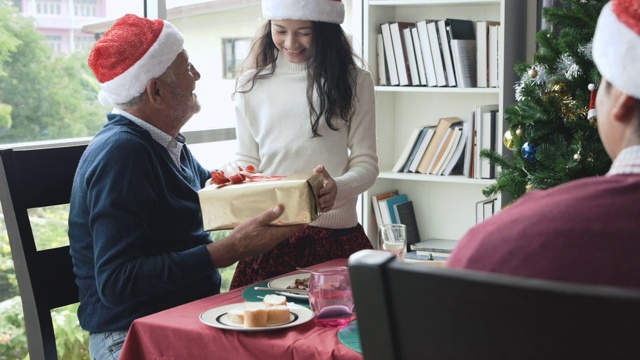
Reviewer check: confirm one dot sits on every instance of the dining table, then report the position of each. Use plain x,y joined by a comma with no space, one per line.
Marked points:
179,333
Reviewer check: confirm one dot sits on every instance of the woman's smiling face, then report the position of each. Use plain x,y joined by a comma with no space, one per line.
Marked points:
293,38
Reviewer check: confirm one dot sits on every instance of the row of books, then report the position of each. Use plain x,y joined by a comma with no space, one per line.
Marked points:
449,52
452,147
390,207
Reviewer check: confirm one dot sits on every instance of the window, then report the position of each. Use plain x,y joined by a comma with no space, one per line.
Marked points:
234,52
84,8
55,43
83,43
53,99
48,7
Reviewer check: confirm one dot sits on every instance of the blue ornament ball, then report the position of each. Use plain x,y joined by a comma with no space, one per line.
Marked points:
529,151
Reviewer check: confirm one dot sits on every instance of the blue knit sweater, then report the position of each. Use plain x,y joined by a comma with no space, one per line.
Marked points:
135,229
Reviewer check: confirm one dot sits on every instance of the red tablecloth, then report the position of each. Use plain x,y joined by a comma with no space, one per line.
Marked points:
178,334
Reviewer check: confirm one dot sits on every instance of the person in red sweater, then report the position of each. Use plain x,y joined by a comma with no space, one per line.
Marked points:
587,230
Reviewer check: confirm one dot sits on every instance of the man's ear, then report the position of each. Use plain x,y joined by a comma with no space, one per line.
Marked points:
154,92
625,108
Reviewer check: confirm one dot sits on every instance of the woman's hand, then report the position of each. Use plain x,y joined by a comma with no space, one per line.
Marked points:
329,189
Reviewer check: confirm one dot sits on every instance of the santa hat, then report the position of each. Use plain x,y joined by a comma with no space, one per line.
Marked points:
330,11
132,52
616,45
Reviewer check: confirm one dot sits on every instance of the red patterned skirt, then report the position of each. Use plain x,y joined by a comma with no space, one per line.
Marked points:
309,246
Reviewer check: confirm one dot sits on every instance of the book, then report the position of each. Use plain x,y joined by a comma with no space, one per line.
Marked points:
493,55
389,55
488,141
436,53
422,73
429,131
462,36
485,209
441,129
405,214
443,36
382,64
432,255
411,56
477,118
482,52
412,256
423,35
398,199
464,61
400,51
408,148
440,151
384,211
460,29
469,152
376,207
435,245
459,152
453,144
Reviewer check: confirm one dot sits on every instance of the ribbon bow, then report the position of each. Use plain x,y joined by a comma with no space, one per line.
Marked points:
233,173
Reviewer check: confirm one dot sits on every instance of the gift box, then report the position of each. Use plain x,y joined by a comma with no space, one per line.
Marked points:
225,207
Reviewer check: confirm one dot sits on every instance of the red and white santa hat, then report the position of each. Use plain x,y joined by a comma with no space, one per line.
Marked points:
132,52
330,11
616,45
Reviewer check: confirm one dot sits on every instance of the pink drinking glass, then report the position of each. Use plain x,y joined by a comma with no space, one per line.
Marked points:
330,296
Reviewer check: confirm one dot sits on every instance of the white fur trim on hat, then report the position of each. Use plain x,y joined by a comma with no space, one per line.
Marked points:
152,64
330,11
616,52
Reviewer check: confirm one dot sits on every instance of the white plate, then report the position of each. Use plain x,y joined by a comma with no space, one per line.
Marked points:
217,317
283,282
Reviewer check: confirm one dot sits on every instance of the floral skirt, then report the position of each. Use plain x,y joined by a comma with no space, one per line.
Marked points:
309,246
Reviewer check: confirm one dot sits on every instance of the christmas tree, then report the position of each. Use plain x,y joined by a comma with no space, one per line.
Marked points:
551,137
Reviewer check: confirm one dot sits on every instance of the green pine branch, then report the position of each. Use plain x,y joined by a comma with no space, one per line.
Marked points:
551,108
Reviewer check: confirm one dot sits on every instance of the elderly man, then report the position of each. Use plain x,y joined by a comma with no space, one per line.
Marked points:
135,227
585,230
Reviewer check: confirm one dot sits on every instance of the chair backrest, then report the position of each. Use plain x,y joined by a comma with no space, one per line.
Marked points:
34,178
414,311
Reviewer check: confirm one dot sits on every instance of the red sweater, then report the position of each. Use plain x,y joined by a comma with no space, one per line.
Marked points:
585,231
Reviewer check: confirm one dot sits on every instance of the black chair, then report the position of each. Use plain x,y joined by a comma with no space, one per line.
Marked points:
413,311
36,178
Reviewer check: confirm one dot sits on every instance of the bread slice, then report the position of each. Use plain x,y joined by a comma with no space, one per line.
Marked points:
255,316
236,316
278,314
273,300
272,310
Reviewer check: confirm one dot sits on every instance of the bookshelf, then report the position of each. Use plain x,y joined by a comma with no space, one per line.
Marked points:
444,205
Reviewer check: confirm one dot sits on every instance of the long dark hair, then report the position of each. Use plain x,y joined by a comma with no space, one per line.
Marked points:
331,72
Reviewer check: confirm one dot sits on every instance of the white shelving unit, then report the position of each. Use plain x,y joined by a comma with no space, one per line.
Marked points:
444,206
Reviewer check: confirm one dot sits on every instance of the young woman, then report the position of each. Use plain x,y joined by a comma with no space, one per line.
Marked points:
304,103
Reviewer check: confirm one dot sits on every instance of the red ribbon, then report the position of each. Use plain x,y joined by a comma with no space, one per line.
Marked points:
239,176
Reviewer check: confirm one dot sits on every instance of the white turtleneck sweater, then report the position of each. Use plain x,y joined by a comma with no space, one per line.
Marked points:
274,135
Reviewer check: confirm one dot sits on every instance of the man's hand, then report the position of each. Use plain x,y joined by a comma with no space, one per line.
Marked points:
329,191
253,237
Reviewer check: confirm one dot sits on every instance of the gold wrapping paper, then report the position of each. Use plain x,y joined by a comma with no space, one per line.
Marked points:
227,207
